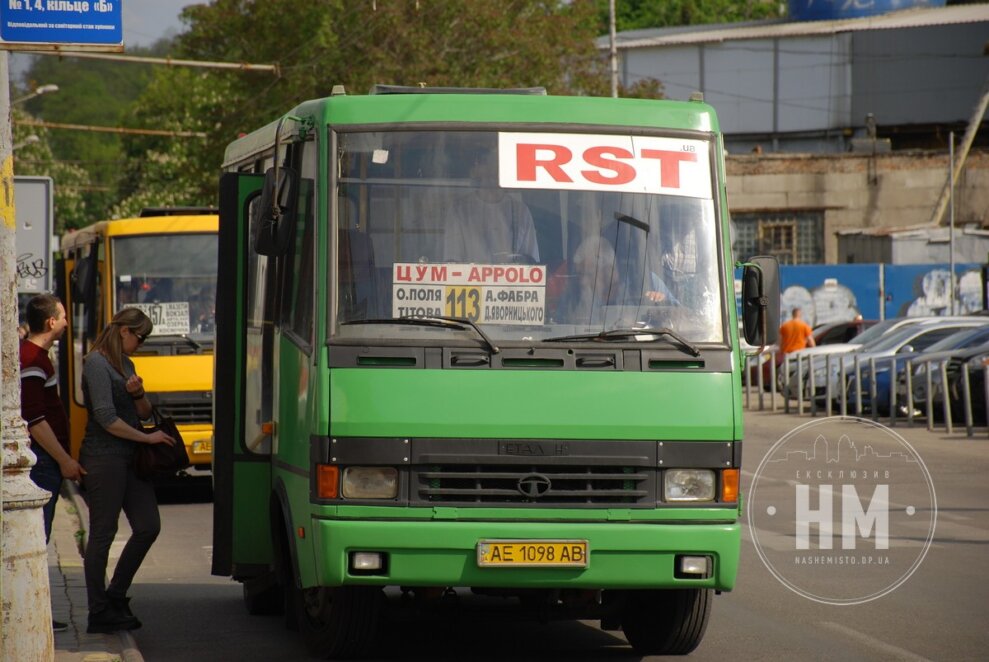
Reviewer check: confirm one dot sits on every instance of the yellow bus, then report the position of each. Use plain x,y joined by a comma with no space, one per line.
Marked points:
164,262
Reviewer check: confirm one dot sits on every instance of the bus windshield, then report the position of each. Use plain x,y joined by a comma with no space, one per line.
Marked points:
172,278
531,236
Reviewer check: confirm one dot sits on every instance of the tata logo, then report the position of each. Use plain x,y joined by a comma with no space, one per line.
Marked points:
534,485
531,448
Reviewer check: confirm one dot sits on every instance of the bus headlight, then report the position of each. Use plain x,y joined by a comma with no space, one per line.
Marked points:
689,485
370,482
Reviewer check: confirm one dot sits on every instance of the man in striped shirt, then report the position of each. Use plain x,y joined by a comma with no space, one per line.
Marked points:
41,407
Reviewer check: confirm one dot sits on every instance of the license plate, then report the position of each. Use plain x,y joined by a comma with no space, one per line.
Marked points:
205,446
532,553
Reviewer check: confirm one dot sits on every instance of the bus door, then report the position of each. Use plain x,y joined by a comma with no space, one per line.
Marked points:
242,387
80,287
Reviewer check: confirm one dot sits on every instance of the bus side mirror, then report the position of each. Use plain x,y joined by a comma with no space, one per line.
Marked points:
761,301
275,211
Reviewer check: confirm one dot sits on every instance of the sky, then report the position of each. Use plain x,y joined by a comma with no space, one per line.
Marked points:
146,21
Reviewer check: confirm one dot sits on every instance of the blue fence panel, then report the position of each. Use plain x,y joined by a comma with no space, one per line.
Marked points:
838,292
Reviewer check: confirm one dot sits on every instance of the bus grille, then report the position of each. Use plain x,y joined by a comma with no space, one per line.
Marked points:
535,485
188,411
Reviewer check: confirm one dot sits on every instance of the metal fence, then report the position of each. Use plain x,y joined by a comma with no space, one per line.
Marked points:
845,384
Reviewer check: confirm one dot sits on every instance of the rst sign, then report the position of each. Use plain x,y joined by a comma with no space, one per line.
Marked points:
77,24
584,162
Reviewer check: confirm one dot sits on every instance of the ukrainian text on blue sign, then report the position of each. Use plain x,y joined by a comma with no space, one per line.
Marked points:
61,21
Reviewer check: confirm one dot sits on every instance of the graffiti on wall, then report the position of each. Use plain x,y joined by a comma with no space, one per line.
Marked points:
932,293
827,303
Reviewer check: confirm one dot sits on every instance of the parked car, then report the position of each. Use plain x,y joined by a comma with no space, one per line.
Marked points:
890,371
909,338
840,332
824,334
976,366
817,356
971,357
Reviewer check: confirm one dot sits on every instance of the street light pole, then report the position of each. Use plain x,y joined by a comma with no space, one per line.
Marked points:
38,91
24,590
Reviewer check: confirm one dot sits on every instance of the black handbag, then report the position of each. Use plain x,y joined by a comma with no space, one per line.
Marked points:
153,460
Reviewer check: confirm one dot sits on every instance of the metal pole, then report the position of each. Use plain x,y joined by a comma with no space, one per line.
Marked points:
760,382
967,394
748,382
613,48
812,389
858,386
951,222
827,384
772,379
930,396
27,625
945,400
786,383
985,393
800,385
909,384
842,384
873,396
892,392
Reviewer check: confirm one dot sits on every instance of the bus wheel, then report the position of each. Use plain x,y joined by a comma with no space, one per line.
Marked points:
666,622
338,622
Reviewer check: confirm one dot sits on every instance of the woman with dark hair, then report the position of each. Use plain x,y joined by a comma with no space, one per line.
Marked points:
116,404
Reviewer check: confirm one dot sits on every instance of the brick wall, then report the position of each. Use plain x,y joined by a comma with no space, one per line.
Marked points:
858,191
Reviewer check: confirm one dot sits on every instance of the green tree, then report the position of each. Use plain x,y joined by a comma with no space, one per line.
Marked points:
35,158
640,14
475,43
91,92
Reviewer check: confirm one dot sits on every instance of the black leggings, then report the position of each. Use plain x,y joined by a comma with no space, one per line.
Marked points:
111,486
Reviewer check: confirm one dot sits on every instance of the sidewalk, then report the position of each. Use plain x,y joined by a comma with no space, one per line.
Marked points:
68,590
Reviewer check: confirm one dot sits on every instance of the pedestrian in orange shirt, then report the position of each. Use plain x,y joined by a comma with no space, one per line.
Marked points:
795,334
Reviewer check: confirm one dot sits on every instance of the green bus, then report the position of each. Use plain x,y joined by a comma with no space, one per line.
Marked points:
481,339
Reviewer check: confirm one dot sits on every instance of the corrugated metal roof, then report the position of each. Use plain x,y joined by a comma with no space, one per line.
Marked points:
936,233
908,18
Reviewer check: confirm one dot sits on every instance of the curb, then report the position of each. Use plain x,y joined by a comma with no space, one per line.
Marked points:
128,646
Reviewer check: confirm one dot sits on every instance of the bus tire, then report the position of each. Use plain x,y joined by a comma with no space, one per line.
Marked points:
666,622
339,622
284,572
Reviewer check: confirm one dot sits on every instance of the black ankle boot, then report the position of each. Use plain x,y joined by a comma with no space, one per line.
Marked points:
109,620
122,605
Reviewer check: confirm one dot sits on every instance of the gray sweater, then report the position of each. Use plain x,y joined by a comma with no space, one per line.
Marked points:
105,393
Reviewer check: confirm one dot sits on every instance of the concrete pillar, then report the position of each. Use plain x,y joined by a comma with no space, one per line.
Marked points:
24,593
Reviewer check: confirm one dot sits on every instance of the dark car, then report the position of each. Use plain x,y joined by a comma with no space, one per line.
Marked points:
887,373
976,366
953,361
835,332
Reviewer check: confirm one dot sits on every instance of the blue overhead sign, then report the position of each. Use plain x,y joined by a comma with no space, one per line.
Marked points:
88,23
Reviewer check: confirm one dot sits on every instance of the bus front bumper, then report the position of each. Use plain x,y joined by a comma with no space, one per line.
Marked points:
429,553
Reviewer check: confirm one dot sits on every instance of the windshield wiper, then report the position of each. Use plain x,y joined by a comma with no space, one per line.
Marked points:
621,334
438,322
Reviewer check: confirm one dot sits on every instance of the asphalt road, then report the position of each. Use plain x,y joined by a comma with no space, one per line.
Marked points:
937,614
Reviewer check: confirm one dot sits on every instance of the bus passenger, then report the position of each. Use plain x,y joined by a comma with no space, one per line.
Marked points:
488,224
116,403
593,283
